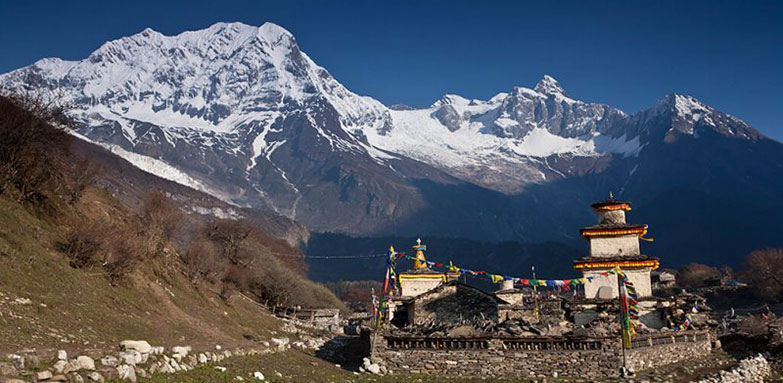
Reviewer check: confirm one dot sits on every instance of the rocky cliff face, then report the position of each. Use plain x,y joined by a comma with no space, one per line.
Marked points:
242,113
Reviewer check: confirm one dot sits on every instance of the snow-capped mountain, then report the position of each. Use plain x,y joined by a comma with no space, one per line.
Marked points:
209,101
503,143
210,108
242,113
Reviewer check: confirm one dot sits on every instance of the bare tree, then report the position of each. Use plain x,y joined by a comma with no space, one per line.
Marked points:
34,147
230,235
161,218
763,269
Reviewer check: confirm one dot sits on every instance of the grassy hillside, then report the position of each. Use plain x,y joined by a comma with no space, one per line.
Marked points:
88,261
80,306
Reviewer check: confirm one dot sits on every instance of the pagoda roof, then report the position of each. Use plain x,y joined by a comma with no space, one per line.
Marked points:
423,271
640,257
611,204
613,229
621,261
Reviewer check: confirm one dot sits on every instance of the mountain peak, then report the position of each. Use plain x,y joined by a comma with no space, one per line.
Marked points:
450,99
273,30
681,104
548,85
688,113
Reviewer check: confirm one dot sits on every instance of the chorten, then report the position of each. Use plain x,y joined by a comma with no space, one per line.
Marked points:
614,243
421,278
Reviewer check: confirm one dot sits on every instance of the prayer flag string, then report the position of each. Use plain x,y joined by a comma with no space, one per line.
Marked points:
496,278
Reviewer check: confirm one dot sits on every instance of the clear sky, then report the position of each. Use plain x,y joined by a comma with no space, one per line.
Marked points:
627,54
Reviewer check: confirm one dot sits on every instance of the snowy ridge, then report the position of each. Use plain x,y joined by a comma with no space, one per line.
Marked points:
458,133
240,102
688,115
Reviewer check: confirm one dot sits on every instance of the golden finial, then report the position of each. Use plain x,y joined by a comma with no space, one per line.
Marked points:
419,262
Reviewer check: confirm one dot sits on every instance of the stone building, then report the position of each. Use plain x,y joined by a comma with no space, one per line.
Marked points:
451,304
509,293
440,325
416,281
614,243
421,278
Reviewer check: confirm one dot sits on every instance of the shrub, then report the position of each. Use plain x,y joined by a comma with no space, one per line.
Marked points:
356,294
764,272
695,275
127,250
84,244
118,249
35,156
202,260
244,259
160,219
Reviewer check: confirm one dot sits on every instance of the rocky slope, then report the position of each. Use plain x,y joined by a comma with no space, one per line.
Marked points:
242,113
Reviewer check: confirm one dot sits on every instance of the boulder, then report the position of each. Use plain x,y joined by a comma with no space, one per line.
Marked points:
17,360
76,378
110,361
374,368
202,358
71,366
62,355
181,350
43,375
131,357
14,380
7,369
258,375
141,346
85,362
95,377
157,350
127,372
165,368
58,378
280,343
173,363
59,366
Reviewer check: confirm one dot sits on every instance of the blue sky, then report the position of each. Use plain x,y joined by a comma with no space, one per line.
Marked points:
627,54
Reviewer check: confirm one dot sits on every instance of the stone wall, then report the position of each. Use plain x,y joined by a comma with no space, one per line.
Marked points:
750,370
660,350
525,357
